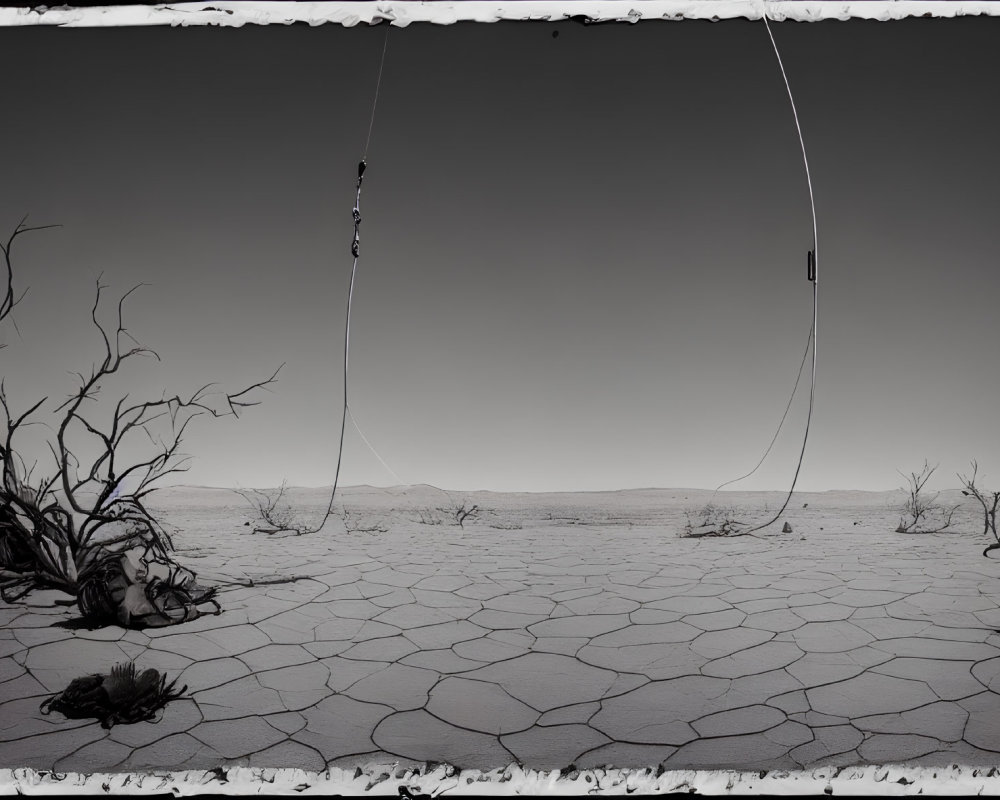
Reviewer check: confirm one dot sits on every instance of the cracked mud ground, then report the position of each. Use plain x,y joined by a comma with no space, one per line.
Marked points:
567,633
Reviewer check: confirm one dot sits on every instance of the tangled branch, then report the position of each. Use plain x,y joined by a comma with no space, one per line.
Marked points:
922,507
271,508
87,515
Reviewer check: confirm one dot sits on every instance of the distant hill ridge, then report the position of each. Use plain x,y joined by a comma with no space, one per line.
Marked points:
427,496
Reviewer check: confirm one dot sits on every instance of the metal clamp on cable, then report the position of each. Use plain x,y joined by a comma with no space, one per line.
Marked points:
356,244
811,267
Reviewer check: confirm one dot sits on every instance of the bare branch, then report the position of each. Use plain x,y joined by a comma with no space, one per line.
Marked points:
235,400
8,300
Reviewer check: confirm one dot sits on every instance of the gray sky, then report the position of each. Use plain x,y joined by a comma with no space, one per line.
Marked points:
583,257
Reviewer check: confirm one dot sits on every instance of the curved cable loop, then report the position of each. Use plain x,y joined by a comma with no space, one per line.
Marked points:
795,388
814,275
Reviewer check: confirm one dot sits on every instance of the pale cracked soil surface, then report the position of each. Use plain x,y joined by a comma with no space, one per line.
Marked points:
555,630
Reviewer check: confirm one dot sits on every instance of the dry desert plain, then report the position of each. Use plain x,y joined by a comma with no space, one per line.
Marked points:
555,629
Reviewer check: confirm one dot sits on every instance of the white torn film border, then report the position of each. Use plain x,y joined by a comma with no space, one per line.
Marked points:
235,13
434,780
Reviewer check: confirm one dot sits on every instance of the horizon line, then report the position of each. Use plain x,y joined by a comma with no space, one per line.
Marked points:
328,487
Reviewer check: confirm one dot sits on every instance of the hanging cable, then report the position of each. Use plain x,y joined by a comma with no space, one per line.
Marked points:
378,86
795,388
356,253
812,275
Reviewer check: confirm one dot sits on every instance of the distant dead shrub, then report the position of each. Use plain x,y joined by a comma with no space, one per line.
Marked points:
921,513
455,514
272,509
430,516
357,522
714,520
498,523
990,501
464,512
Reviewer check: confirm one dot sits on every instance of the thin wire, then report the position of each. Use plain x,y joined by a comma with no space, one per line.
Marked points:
378,86
364,438
815,279
795,388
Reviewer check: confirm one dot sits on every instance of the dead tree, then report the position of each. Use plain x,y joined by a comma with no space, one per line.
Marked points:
276,515
463,513
921,507
83,527
990,501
